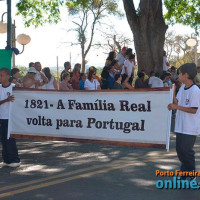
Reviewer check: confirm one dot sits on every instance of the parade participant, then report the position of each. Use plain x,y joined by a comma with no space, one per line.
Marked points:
187,120
52,84
91,83
9,148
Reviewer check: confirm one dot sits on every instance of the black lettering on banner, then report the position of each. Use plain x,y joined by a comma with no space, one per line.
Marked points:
60,105
36,104
68,123
124,106
40,121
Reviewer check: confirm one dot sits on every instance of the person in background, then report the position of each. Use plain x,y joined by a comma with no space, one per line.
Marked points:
29,80
146,78
67,67
52,84
174,75
105,82
117,84
121,58
110,58
82,81
40,76
31,64
76,76
165,62
155,81
140,83
111,78
9,148
16,75
197,78
91,83
129,67
129,51
125,83
65,84
96,77
165,78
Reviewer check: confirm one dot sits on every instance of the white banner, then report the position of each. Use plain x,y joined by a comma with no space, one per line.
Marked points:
129,116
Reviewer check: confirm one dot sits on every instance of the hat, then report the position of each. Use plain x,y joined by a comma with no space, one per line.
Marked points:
92,68
32,70
124,49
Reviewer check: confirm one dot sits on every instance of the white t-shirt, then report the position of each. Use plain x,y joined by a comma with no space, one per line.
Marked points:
120,59
38,77
155,82
91,85
129,65
165,61
5,92
187,123
50,85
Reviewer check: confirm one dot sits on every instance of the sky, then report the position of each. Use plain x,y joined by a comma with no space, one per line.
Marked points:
49,41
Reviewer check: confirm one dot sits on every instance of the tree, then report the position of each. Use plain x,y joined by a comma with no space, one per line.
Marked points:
86,16
87,19
114,40
148,26
147,22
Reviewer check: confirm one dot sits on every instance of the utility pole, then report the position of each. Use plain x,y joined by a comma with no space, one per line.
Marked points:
9,24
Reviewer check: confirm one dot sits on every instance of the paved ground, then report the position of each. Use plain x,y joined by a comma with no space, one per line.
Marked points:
76,171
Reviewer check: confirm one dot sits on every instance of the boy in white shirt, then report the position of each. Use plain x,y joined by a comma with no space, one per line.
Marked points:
9,148
187,102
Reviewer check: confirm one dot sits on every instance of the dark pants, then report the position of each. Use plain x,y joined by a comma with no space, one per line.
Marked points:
9,148
185,152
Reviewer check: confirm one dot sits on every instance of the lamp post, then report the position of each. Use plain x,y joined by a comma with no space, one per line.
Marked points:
8,27
193,42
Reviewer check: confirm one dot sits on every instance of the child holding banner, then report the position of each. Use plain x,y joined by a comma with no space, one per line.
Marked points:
9,148
187,124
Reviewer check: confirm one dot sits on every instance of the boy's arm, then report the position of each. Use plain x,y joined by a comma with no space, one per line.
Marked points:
10,98
184,109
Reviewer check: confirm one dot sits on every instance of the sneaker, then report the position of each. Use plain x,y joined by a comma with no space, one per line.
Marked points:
3,164
14,164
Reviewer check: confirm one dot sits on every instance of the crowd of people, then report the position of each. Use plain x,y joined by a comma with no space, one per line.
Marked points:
118,73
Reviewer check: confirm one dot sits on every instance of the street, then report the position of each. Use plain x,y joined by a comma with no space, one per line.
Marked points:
78,171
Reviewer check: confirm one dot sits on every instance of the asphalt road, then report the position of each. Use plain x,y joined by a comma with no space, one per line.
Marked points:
78,171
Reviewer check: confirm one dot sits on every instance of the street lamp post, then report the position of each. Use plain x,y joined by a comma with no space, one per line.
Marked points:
193,42
22,39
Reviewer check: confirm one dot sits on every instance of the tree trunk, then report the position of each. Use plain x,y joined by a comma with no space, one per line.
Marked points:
149,30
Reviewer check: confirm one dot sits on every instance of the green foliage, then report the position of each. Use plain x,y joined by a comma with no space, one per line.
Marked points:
40,12
185,12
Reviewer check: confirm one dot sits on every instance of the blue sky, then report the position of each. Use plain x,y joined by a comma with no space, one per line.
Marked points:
48,42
